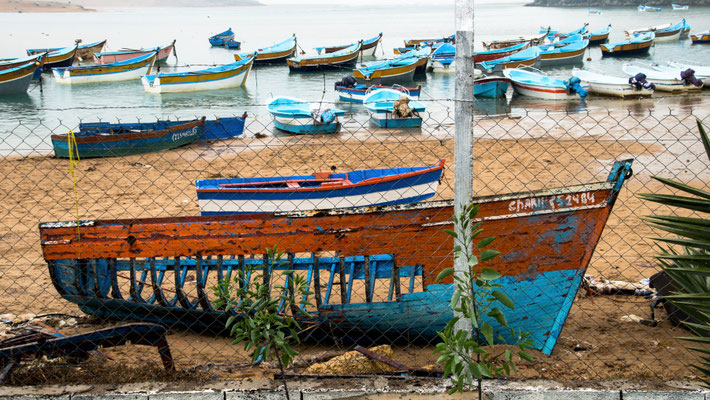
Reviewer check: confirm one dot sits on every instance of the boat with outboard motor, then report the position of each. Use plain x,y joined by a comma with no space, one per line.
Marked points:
538,85
606,85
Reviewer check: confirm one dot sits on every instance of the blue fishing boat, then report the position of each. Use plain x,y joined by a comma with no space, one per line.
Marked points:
40,58
339,59
17,79
532,84
495,54
368,47
686,30
637,45
700,37
303,118
322,190
443,58
133,68
644,8
222,38
581,31
390,108
371,271
529,57
83,51
490,87
555,54
600,36
357,92
123,142
592,11
221,77
108,57
213,129
662,33
678,7
233,45
60,58
387,72
274,54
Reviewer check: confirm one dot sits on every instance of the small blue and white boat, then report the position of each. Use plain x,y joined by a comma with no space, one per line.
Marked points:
637,45
490,87
531,84
304,118
643,8
581,31
443,59
663,33
552,55
325,190
529,57
385,113
222,77
274,54
395,71
222,38
368,47
126,70
17,79
592,11
356,93
600,36
678,7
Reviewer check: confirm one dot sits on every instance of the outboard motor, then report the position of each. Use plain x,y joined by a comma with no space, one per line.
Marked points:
574,85
688,77
347,81
639,82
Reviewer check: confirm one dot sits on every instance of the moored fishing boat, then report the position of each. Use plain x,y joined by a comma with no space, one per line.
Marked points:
233,45
591,11
386,109
701,37
221,77
429,42
17,79
397,70
123,142
341,58
599,37
490,87
357,93
222,38
701,71
644,8
528,83
667,81
662,33
489,55
323,190
533,40
119,71
573,53
607,85
136,268
9,63
526,58
686,30
678,7
581,31
275,54
369,46
60,58
303,118
639,45
125,54
443,58
213,129
83,51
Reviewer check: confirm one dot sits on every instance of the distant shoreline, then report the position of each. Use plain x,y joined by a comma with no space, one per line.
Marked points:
23,6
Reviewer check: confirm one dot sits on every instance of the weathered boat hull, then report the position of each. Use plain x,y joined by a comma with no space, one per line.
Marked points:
214,129
386,121
173,83
700,37
595,40
491,87
555,59
129,143
387,76
112,57
546,239
305,127
103,73
627,49
17,79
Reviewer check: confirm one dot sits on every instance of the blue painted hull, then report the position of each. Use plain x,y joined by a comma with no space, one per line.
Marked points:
386,122
490,90
306,128
217,129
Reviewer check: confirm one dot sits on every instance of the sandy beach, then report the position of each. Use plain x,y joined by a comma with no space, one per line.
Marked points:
22,6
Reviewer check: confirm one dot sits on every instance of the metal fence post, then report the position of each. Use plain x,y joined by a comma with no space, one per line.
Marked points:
463,132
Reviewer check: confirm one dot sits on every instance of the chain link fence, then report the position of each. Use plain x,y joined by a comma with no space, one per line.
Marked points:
609,333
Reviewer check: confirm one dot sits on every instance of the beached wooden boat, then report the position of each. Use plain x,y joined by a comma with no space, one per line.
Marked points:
17,79
323,190
221,38
553,55
606,85
339,59
125,54
678,7
275,54
381,106
60,58
363,281
666,81
489,55
533,40
123,142
443,59
9,63
639,45
221,77
213,129
83,51
356,93
662,33
303,118
644,8
387,72
490,87
369,46
600,36
701,37
531,84
526,58
119,71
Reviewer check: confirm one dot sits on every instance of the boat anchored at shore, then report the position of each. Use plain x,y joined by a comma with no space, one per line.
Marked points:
221,77
390,108
304,118
606,85
130,69
341,58
532,84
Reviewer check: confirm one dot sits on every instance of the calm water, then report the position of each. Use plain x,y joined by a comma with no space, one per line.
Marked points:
314,26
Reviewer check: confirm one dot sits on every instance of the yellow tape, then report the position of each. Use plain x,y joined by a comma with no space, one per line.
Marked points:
71,142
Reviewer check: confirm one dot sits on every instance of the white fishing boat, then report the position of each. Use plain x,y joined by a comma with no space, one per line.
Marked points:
607,85
532,84
701,72
666,81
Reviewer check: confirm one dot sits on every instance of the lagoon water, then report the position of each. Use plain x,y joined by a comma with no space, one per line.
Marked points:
314,25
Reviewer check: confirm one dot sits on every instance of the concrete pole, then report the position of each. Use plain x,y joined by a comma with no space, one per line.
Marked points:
463,132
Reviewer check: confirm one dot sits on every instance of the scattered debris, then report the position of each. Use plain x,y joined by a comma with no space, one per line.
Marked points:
601,286
354,362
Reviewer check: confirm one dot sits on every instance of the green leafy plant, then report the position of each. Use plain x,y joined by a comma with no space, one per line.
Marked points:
266,324
686,257
475,297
